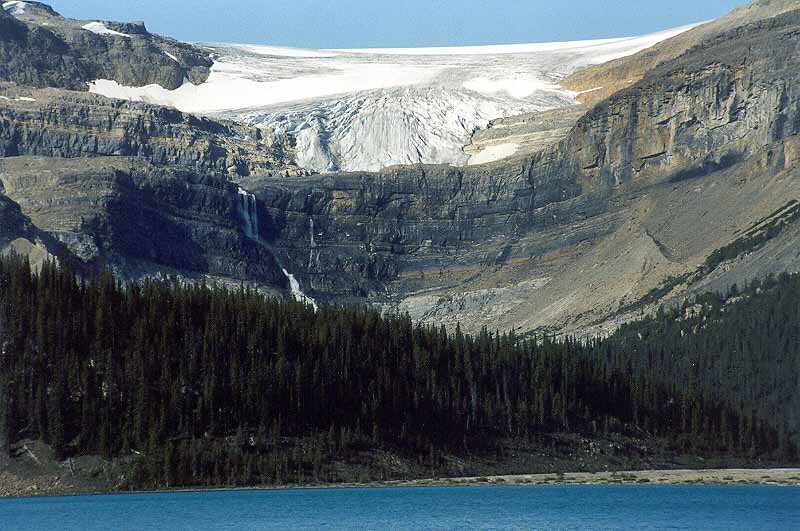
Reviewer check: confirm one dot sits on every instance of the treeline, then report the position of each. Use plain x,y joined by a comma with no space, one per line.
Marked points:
209,386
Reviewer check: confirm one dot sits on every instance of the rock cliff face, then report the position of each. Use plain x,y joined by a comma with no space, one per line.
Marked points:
145,189
708,109
527,133
19,234
598,82
579,232
142,188
138,218
13,222
57,123
682,181
350,234
40,48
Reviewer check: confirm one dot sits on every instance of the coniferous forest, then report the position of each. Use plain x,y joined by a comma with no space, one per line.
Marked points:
199,385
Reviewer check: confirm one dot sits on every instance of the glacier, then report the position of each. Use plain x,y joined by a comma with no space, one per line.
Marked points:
366,109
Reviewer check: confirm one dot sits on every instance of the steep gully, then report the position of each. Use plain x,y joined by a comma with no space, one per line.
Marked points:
251,229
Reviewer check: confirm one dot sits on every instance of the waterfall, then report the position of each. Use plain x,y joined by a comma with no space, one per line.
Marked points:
297,293
249,211
312,244
249,214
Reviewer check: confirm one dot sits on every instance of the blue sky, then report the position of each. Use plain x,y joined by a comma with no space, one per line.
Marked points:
398,23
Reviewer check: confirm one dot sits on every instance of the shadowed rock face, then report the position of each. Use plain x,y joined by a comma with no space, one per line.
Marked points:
369,229
13,224
20,235
572,236
40,48
136,217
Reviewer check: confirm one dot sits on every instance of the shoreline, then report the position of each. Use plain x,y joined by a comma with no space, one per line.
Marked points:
725,476
722,476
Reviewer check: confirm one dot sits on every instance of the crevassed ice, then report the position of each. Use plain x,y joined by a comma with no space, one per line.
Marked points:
367,109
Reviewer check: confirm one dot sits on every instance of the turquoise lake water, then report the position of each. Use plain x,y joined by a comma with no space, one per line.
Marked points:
435,508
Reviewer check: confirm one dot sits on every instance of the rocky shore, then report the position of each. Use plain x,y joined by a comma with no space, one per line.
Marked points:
11,486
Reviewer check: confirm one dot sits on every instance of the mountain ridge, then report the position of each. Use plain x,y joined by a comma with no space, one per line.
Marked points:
606,170
595,83
523,243
183,304
63,53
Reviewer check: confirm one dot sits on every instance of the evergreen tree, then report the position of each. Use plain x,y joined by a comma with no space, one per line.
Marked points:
211,386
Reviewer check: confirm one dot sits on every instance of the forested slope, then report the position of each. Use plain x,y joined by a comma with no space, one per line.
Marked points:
199,385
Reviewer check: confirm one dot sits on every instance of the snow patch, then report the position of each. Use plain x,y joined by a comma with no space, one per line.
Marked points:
587,91
171,56
575,95
101,29
15,8
493,153
227,89
20,98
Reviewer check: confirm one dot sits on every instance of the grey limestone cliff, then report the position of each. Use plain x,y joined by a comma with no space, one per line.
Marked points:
65,124
626,205
40,48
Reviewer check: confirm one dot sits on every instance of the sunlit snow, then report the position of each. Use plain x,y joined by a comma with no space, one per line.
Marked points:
21,98
15,7
101,29
493,153
367,109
